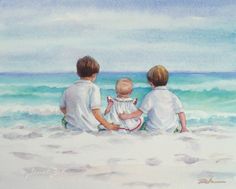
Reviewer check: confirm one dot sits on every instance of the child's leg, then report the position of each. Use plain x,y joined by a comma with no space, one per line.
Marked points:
177,130
64,122
101,128
144,126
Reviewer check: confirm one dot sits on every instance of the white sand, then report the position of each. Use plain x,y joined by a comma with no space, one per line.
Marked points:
55,158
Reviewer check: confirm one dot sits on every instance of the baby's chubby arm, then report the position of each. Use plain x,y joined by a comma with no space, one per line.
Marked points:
97,114
109,105
134,114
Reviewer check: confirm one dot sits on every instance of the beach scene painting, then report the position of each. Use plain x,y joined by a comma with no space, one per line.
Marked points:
177,60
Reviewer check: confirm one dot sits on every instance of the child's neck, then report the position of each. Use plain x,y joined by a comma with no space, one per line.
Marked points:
87,78
123,96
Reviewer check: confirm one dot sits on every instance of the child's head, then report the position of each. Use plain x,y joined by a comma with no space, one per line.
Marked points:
158,76
87,67
124,86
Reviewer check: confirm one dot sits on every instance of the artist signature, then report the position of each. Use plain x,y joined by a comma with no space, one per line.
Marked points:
210,181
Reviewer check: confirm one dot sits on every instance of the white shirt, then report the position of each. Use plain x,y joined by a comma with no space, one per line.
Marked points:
124,105
79,100
161,107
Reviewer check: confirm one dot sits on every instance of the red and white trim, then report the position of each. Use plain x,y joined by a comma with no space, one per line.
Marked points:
137,127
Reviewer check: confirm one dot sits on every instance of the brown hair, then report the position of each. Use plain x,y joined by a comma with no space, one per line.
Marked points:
158,75
87,66
124,86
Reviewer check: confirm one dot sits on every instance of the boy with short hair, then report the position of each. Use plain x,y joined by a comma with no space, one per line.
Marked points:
81,102
160,105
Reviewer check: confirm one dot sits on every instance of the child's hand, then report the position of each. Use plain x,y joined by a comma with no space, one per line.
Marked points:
113,127
123,116
135,101
184,130
109,101
109,105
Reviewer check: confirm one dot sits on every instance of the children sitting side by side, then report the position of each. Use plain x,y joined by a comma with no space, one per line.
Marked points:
160,105
123,103
81,102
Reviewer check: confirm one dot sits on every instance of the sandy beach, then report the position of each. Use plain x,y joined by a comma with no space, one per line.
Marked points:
56,158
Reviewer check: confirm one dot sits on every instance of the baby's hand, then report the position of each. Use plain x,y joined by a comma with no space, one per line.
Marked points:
109,101
123,116
135,101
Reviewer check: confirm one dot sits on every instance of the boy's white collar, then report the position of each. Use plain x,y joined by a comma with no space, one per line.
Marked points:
161,88
83,81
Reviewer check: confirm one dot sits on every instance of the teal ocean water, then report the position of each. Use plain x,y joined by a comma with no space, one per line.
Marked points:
32,99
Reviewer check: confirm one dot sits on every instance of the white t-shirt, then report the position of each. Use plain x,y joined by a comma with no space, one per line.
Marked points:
79,100
124,105
161,107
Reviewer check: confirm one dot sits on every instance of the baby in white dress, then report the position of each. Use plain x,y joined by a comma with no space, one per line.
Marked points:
123,103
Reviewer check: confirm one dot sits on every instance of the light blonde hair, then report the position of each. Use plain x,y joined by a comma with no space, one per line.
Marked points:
124,86
158,75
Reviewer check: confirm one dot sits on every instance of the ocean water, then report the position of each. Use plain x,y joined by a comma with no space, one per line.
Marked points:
33,99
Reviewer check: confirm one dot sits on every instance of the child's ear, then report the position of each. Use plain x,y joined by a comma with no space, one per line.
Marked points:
150,83
94,76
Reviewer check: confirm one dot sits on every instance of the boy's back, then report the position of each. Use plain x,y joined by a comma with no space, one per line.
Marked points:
79,99
162,107
81,102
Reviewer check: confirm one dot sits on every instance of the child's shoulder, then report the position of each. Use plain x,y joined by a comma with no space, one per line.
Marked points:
84,83
173,95
94,86
150,93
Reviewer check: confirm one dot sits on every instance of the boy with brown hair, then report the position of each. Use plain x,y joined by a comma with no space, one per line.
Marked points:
81,102
160,105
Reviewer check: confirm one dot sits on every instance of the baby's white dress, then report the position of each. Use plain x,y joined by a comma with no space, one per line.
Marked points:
124,105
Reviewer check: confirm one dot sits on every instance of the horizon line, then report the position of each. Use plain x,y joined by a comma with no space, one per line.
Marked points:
117,72
71,72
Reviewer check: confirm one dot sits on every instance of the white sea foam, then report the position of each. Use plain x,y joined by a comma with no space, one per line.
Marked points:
227,85
199,114
51,85
9,93
39,110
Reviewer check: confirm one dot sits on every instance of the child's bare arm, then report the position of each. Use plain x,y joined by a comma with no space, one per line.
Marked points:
108,108
97,114
134,114
109,105
63,110
182,119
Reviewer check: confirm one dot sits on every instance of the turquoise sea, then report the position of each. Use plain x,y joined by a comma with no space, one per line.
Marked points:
32,99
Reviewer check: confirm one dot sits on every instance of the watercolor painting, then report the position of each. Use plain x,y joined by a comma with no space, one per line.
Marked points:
40,43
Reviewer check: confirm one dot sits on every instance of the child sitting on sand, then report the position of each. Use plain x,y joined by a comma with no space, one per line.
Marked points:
123,104
81,102
160,105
